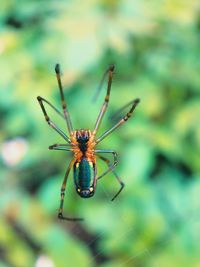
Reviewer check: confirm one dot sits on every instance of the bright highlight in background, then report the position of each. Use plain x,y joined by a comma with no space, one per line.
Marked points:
44,261
13,151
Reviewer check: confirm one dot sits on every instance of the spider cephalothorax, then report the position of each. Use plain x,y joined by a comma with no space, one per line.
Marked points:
82,137
82,143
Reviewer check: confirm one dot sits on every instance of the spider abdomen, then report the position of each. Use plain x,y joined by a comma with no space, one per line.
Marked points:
84,177
84,173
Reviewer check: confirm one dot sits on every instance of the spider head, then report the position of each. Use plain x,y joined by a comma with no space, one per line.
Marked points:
83,136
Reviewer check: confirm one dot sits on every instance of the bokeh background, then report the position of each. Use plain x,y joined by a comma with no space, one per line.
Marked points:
156,48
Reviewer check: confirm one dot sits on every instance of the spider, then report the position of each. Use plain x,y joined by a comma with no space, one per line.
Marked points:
82,143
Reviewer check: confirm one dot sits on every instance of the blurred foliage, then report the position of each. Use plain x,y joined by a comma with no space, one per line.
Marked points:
155,46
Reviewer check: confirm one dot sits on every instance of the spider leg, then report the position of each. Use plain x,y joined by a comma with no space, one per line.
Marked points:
100,85
66,147
116,176
52,106
64,105
112,166
60,212
107,97
49,121
120,122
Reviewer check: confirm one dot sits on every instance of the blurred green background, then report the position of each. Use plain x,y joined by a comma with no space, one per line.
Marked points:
156,47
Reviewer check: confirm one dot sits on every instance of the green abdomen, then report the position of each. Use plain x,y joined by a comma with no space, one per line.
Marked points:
83,174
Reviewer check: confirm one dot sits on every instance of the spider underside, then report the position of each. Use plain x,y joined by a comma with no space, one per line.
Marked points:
82,143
